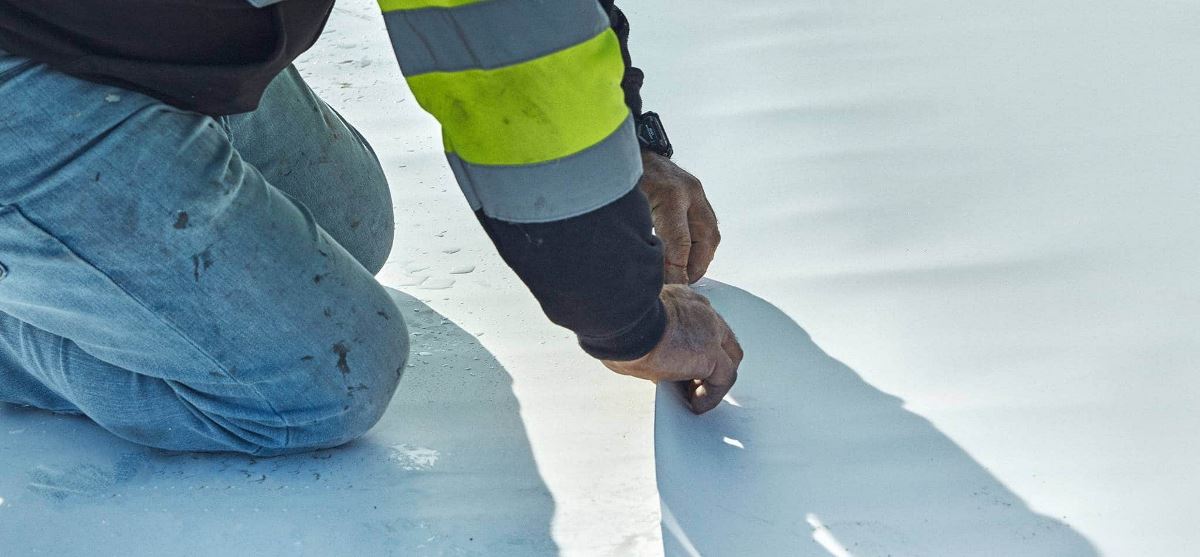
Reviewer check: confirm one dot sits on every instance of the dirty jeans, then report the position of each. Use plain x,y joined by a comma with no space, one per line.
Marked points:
192,283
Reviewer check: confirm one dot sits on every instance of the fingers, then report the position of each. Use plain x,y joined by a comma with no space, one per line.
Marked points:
683,218
698,353
671,224
699,258
733,348
705,236
706,394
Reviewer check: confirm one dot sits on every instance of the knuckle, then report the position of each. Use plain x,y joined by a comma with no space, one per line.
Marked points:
679,237
666,202
706,230
678,250
736,347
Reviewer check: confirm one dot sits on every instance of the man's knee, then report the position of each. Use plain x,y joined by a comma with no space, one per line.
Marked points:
356,416
372,226
303,147
305,406
338,412
372,247
343,419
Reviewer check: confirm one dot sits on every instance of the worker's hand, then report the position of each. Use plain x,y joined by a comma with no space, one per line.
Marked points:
698,349
683,219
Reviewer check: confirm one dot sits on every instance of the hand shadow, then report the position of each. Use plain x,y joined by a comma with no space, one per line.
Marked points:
805,458
448,471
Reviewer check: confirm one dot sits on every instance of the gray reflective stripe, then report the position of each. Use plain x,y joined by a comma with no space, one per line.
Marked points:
558,189
490,34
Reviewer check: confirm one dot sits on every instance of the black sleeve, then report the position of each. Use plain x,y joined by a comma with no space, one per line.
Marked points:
598,274
632,82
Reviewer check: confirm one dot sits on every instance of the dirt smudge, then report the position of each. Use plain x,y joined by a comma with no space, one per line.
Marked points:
341,350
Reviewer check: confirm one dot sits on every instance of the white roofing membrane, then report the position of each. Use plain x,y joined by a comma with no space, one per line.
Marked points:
960,250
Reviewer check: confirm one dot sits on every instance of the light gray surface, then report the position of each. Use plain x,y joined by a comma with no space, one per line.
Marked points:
986,208
447,472
804,458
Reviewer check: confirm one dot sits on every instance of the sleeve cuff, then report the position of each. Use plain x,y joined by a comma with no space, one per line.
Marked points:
632,342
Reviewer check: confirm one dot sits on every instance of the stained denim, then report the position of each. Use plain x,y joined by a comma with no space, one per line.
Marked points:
192,283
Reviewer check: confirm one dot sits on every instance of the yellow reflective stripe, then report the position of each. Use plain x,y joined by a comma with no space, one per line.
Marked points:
394,5
536,111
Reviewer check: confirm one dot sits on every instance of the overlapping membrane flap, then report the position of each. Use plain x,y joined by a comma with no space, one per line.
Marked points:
528,94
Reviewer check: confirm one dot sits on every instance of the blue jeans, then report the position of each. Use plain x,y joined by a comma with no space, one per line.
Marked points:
192,283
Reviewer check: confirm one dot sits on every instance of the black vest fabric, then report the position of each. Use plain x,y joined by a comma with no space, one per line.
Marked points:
210,56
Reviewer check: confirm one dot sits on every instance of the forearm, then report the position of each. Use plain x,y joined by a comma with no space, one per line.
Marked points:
598,274
532,98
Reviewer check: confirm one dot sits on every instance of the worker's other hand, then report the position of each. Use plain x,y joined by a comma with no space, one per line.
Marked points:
698,349
683,218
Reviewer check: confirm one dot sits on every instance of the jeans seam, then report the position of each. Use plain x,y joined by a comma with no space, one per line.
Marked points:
226,125
287,427
17,68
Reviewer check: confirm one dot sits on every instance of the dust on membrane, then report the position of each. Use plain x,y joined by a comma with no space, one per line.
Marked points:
411,458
